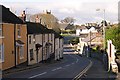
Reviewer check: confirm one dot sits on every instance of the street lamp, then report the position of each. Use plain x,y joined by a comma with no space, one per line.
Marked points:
103,27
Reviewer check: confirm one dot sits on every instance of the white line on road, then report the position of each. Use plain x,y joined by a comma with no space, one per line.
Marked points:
73,63
57,68
68,65
77,60
84,71
38,75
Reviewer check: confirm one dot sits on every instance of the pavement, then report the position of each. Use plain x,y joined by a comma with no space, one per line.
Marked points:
98,72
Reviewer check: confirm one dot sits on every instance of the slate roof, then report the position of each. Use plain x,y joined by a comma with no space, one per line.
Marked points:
37,28
8,17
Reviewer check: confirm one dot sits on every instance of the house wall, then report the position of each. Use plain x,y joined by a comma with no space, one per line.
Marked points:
56,48
45,55
39,40
50,47
31,46
61,47
23,38
8,41
53,37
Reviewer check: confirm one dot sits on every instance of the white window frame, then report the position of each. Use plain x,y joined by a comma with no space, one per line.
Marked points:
30,39
1,30
2,53
19,31
21,52
32,54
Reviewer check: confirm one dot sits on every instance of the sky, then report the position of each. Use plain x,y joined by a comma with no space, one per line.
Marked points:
84,11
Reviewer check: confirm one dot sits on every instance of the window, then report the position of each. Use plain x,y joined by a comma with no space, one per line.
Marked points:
0,29
21,52
1,53
18,31
34,38
43,37
29,39
51,37
48,38
31,55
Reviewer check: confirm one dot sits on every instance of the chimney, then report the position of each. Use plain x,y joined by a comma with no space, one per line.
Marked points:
37,19
23,16
48,12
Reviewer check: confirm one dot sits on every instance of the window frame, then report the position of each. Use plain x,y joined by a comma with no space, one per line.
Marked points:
21,52
19,31
30,39
2,53
31,58
43,37
34,39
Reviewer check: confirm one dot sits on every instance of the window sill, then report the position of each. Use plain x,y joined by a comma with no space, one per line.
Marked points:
21,57
2,37
1,61
19,36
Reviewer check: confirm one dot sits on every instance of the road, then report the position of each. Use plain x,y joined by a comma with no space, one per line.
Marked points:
70,67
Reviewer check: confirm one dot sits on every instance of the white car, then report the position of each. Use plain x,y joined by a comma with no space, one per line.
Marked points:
114,67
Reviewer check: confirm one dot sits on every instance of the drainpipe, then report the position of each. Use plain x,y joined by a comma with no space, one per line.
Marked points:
27,50
54,46
37,53
15,44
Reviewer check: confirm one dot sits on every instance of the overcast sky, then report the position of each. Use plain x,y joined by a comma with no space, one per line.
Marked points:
82,10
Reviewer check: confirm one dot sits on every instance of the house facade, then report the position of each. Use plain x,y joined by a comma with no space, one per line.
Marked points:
40,43
13,48
58,47
61,47
34,43
57,54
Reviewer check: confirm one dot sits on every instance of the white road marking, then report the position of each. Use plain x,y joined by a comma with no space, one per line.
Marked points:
38,75
83,71
77,60
57,68
54,69
67,65
73,63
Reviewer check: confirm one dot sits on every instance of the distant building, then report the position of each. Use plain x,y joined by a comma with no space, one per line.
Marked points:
85,30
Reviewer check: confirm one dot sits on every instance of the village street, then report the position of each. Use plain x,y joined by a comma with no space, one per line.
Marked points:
69,68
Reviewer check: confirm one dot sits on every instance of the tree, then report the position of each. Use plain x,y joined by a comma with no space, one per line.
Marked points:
113,33
68,20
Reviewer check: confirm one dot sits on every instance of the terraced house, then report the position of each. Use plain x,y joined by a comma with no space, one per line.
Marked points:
26,42
13,47
40,43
